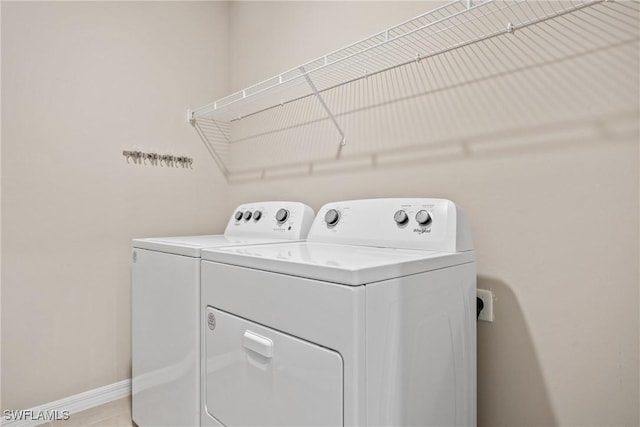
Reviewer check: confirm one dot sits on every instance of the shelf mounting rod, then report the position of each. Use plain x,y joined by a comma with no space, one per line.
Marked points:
343,141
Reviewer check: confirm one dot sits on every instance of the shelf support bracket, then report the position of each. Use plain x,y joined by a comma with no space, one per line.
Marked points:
343,141
209,146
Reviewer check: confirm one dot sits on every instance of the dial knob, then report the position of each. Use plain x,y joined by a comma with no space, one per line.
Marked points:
238,216
257,215
282,215
247,215
423,217
401,217
332,217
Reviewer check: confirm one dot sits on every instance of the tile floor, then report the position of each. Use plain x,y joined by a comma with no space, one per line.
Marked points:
112,414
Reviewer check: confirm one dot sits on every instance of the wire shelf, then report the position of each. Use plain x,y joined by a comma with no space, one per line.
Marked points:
456,24
448,81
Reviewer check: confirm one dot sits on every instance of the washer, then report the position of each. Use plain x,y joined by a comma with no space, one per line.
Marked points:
371,321
165,308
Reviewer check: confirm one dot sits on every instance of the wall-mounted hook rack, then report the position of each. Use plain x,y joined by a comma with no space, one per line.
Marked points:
155,159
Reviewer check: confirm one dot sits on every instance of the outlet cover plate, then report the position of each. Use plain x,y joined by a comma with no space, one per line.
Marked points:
487,298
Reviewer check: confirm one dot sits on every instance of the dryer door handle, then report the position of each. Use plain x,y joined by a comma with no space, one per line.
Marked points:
258,344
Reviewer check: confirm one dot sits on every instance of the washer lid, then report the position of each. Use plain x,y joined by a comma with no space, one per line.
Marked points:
192,245
345,264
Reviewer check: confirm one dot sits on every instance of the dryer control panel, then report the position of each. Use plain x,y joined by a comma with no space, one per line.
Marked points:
427,224
278,220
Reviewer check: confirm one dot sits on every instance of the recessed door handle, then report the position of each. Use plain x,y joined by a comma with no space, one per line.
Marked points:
258,344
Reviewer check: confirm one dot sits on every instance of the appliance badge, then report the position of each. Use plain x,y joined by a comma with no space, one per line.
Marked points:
211,321
421,230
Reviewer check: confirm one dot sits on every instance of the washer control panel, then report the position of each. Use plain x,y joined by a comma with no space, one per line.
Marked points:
280,220
427,224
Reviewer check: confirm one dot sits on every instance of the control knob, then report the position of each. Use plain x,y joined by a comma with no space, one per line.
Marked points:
238,216
423,218
257,215
282,215
332,217
401,217
247,215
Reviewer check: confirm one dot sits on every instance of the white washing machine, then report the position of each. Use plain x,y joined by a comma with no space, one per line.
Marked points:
165,308
371,321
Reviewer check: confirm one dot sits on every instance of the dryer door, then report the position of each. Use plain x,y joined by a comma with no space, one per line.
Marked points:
258,376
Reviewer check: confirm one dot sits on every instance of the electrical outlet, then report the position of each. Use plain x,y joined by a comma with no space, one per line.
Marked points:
487,299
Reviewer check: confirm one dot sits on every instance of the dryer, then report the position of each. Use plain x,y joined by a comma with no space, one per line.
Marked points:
371,321
165,316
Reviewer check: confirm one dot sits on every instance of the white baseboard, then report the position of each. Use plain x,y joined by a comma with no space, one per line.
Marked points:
76,403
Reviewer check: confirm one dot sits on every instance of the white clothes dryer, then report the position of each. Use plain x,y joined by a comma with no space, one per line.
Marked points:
370,322
165,302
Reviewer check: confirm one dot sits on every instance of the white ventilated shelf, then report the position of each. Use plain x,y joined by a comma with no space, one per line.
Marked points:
457,24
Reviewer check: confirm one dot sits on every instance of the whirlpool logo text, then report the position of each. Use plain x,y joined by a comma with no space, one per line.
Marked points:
422,230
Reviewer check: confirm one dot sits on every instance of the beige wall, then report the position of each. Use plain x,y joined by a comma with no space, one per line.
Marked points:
545,161
81,82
